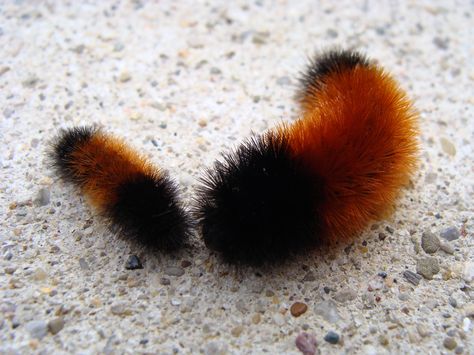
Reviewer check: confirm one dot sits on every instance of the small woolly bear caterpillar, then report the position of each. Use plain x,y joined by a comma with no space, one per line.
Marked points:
319,180
137,198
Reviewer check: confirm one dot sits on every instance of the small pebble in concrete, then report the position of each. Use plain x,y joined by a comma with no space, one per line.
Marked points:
236,331
450,234
332,337
327,310
449,343
55,325
447,248
298,308
83,264
427,267
37,328
185,263
133,263
42,198
344,295
306,343
120,309
165,281
411,277
174,271
284,80
430,242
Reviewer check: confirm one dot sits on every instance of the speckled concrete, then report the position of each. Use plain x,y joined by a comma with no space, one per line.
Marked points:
184,81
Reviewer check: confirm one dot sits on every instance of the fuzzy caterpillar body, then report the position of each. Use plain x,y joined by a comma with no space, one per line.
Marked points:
136,198
320,179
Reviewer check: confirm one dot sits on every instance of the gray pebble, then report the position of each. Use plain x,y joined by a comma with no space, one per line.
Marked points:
427,267
165,281
118,47
411,277
328,310
344,295
449,343
450,233
42,198
430,242
79,49
133,263
452,301
332,337
34,142
83,264
441,43
452,332
30,82
422,330
8,256
241,305
459,350
215,348
174,271
309,277
37,328
15,322
119,309
332,33
447,248
7,113
284,80
403,296
215,71
55,325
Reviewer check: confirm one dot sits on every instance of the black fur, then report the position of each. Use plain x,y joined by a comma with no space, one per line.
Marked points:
148,211
64,144
312,79
147,208
258,205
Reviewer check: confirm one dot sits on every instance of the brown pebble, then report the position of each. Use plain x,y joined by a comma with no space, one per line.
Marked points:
237,331
202,122
298,308
185,263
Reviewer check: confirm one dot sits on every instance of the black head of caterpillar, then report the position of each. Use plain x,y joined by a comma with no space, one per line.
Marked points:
258,206
330,62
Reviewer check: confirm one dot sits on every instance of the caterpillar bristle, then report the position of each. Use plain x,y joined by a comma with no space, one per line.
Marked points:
320,66
251,201
139,200
323,178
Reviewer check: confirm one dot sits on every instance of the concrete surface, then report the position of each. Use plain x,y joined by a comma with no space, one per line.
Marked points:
184,81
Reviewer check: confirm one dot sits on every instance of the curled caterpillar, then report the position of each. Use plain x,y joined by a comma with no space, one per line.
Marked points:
135,197
319,180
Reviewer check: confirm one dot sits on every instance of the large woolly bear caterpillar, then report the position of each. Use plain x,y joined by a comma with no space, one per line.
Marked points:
321,179
138,199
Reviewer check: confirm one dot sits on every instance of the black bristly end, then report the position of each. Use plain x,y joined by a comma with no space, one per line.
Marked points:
148,212
322,65
64,144
258,206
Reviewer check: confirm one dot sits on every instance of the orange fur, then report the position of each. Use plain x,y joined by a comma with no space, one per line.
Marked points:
106,162
358,133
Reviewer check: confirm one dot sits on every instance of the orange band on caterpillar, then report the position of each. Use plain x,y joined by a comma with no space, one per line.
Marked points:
137,198
321,179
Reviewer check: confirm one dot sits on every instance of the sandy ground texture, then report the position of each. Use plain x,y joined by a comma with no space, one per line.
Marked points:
184,81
